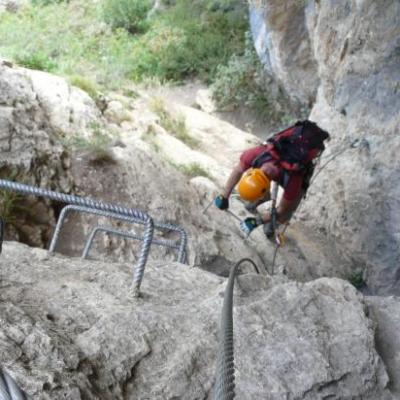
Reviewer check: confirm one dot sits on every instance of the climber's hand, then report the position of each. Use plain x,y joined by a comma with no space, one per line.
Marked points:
221,202
249,224
269,231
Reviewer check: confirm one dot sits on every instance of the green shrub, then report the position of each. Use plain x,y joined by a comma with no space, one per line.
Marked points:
36,60
71,39
188,39
9,206
97,146
357,279
127,14
191,170
243,82
133,94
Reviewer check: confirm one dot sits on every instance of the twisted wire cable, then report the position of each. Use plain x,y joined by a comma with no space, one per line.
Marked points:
1,234
163,226
129,235
96,205
225,373
330,157
9,390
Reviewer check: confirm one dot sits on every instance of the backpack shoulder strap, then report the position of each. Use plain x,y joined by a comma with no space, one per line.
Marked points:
262,158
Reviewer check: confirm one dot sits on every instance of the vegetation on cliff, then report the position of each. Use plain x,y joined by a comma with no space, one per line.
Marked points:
110,44
115,41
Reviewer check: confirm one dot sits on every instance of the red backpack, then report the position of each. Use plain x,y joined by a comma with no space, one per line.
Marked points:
294,148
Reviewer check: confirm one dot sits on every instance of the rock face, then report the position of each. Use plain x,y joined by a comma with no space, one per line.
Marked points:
355,59
142,179
384,310
70,330
38,111
282,42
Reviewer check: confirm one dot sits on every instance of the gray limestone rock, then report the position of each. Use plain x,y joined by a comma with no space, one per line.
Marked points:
384,310
71,330
39,112
351,51
282,42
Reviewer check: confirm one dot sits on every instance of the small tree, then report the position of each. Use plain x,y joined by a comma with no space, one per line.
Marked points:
127,14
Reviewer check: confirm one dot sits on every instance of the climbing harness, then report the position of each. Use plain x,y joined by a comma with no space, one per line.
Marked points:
9,390
225,373
280,240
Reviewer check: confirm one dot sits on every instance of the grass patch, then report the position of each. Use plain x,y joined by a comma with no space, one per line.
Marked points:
86,85
130,93
97,146
71,38
9,206
36,60
191,170
174,126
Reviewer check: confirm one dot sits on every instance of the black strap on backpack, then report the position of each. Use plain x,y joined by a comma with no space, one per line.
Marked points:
262,158
294,144
291,150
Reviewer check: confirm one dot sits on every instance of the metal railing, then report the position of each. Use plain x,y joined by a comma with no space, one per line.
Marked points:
144,218
161,226
225,374
9,390
127,235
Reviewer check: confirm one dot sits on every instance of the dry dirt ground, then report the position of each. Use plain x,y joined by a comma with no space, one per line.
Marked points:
186,95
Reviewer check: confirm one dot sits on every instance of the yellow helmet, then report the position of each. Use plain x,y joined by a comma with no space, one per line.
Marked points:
253,185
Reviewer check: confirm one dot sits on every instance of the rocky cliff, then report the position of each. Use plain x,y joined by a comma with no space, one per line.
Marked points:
345,59
71,330
39,116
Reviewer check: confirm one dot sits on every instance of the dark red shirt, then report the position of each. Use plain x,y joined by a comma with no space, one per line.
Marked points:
293,186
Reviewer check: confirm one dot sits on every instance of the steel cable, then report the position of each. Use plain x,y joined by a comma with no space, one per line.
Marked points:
1,234
330,157
9,390
96,205
225,373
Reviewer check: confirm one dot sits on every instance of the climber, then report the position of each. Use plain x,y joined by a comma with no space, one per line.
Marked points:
286,158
